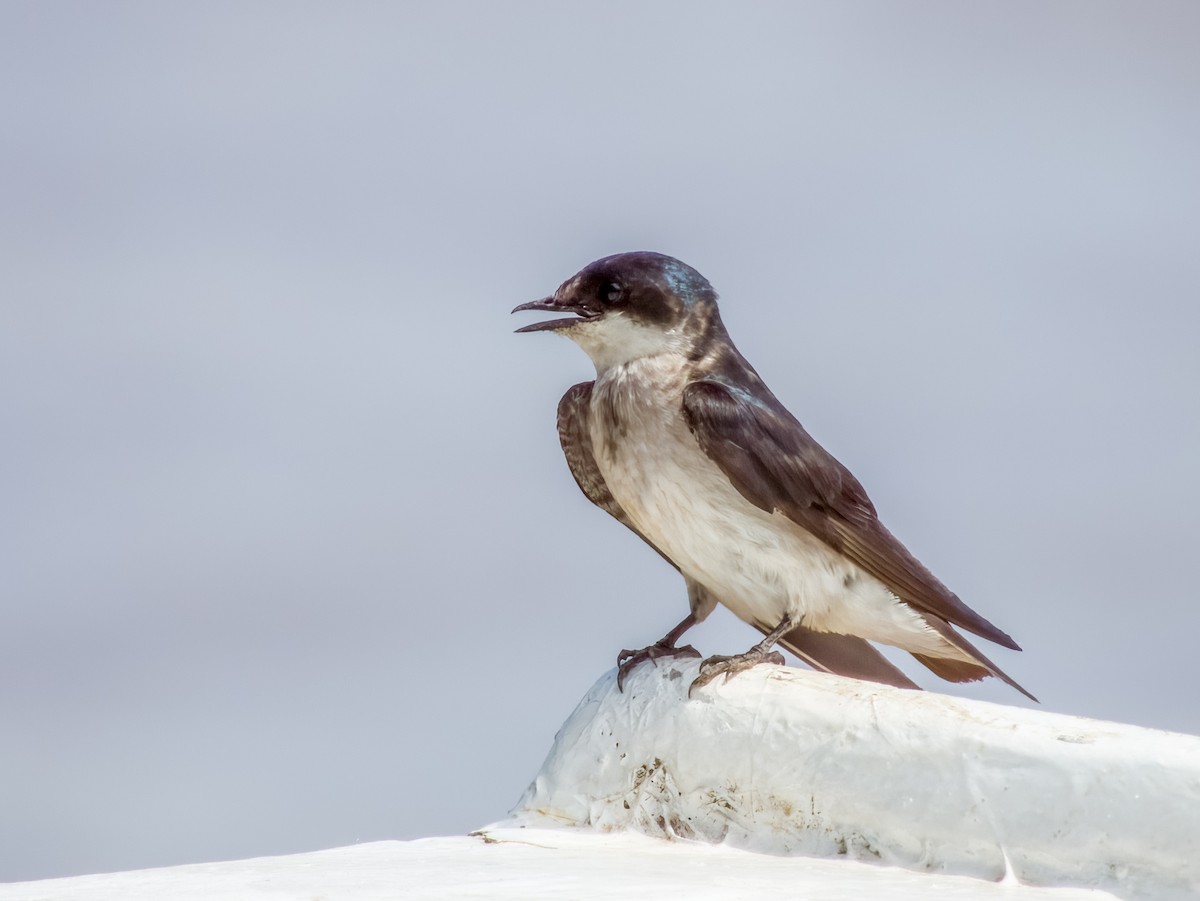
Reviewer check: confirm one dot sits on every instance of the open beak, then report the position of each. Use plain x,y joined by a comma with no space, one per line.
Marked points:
552,325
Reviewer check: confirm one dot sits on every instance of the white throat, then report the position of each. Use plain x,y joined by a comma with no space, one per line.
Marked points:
617,339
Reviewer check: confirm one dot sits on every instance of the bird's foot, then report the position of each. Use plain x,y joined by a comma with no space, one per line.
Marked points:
627,660
731,666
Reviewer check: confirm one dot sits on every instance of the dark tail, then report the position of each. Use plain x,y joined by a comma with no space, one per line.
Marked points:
960,670
844,655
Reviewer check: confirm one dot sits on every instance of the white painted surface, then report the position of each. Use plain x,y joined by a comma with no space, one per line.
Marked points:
797,774
529,864
790,762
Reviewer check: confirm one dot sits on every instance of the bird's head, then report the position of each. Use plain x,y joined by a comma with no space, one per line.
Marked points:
631,305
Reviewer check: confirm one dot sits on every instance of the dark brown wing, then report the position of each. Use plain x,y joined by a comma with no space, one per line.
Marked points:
777,466
841,654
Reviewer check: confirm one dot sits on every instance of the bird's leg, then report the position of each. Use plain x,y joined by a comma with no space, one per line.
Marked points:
664,647
731,666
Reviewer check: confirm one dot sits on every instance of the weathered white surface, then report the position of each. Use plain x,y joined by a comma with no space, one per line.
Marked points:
516,865
811,769
791,762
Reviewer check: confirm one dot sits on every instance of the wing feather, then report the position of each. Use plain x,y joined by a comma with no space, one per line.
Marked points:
777,466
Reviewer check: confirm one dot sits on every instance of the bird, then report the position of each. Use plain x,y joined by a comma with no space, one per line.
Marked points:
680,440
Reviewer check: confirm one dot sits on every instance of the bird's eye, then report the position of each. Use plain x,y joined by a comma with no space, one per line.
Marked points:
611,292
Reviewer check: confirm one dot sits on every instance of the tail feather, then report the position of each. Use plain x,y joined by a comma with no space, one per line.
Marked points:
849,655
844,655
954,670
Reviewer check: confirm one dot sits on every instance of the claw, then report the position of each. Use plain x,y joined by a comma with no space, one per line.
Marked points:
627,660
731,666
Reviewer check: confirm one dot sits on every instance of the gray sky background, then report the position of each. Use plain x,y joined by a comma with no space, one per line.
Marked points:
289,557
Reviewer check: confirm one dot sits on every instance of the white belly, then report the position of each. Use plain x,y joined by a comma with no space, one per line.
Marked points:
760,565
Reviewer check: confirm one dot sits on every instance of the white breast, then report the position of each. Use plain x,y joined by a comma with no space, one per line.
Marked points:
759,564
